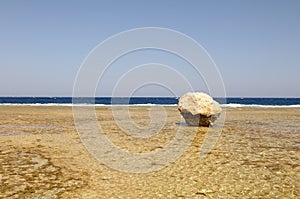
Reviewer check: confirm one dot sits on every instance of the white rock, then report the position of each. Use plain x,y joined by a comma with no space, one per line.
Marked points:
199,109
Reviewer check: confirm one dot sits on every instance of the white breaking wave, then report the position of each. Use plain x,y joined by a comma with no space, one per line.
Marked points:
259,106
56,104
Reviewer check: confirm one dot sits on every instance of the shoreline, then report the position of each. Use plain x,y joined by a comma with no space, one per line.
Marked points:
146,105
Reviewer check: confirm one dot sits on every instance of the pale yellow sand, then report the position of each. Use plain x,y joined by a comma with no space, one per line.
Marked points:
257,156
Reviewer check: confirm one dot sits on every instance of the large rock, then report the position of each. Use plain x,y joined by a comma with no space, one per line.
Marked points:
199,109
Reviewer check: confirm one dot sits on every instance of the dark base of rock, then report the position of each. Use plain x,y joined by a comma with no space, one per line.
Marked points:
198,120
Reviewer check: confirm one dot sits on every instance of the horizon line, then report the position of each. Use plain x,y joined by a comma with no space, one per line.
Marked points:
241,97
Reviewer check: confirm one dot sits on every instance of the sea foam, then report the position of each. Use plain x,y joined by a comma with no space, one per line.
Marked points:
259,106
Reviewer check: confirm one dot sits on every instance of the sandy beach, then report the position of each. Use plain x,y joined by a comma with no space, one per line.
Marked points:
42,156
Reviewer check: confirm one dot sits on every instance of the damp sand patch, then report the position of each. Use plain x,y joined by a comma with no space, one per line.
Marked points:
28,173
11,130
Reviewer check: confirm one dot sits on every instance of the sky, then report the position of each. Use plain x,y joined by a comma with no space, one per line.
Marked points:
254,43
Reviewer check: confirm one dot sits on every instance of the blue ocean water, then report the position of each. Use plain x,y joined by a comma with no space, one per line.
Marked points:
146,100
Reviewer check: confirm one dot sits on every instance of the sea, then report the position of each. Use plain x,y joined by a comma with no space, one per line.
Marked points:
145,101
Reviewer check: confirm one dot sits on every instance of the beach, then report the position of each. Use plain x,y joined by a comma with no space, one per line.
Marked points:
256,156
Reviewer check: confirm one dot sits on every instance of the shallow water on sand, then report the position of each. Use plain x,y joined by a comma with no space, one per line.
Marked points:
257,156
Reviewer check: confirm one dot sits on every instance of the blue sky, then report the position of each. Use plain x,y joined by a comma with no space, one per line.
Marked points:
255,44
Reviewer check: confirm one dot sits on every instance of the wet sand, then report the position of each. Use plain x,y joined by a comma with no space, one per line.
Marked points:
42,156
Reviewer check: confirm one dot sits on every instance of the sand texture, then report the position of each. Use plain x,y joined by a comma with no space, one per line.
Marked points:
42,156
